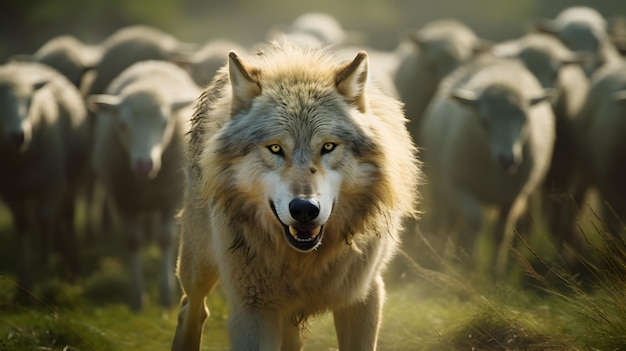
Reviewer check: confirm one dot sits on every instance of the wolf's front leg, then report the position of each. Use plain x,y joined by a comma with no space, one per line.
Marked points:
197,279
254,331
292,337
357,325
191,318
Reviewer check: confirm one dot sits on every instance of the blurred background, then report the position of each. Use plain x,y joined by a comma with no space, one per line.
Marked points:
26,25
91,305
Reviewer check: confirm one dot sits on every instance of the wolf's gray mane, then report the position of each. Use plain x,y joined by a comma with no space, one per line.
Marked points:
200,123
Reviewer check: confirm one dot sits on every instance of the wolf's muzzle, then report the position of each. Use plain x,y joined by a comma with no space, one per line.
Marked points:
305,235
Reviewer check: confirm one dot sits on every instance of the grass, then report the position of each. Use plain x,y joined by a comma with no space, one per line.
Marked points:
449,309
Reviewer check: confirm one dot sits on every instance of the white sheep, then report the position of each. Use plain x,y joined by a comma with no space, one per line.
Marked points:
602,129
438,48
44,149
129,45
204,63
487,139
138,156
582,29
559,69
67,54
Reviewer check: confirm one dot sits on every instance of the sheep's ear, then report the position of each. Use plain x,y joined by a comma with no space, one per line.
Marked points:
482,46
543,25
351,79
39,84
577,58
84,72
464,97
620,96
417,39
185,61
244,82
103,102
180,104
21,58
548,94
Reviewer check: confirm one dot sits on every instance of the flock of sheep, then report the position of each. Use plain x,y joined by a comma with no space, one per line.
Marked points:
542,114
497,122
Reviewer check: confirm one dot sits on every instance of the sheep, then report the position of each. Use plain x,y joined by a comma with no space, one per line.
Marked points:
127,46
204,63
316,29
67,54
120,50
602,124
138,156
582,29
558,68
321,25
440,46
487,139
44,149
72,58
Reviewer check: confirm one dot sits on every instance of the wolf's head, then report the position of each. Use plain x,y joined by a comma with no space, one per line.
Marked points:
297,151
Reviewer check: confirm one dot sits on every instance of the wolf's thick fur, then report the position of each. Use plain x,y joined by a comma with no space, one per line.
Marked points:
287,147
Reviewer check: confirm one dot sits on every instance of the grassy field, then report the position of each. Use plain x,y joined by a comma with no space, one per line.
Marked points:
449,309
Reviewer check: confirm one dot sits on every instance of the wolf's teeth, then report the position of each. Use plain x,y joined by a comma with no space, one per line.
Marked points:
314,233
293,231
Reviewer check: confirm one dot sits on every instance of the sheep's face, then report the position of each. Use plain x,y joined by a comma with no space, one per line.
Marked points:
506,127
144,125
583,39
144,128
503,118
16,114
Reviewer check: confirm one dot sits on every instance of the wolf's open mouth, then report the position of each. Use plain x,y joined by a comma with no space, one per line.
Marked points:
303,238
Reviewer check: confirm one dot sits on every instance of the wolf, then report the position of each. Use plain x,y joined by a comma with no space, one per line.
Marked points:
300,173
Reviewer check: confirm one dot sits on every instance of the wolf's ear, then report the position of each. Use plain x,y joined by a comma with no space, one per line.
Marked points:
351,78
244,82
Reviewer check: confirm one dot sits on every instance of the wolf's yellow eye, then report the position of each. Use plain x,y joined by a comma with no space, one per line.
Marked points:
275,149
328,147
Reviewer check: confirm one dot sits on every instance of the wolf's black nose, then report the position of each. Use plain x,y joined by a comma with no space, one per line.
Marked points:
304,209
